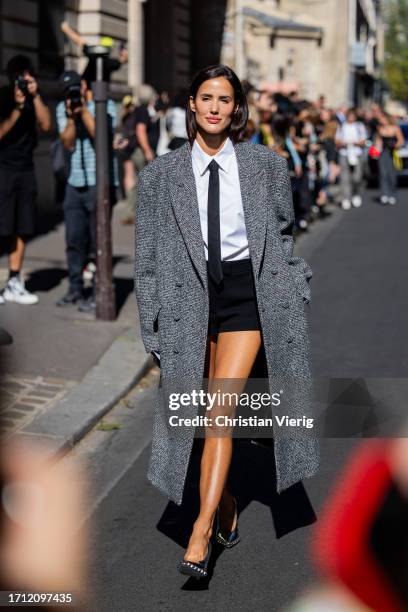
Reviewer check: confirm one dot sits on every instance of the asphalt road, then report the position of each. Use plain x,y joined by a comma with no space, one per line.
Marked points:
357,320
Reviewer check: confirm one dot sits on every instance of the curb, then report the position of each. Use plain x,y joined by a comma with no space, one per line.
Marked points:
117,371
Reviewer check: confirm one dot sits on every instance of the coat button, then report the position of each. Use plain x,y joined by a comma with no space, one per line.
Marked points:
285,304
176,319
179,284
176,352
274,271
262,309
290,339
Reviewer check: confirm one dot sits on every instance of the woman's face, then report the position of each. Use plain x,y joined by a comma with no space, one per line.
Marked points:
214,105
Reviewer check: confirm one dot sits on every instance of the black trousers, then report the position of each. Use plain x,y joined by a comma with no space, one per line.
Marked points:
80,230
302,199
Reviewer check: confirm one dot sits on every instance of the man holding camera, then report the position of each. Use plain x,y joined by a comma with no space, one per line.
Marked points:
76,126
21,111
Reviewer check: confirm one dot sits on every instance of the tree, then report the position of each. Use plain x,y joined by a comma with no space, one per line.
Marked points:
396,48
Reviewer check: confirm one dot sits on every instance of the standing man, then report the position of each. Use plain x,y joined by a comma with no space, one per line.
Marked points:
76,126
21,111
147,126
146,120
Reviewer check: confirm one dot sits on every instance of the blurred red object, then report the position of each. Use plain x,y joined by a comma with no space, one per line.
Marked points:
342,544
374,152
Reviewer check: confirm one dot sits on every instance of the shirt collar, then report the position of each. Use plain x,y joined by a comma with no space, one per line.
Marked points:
223,157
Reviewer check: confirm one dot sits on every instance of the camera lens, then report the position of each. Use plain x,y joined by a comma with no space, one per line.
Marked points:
22,85
74,95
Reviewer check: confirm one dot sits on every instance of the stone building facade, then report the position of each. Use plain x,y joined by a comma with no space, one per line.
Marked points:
168,40
329,47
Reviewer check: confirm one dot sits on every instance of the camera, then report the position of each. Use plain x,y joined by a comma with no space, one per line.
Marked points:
22,85
73,94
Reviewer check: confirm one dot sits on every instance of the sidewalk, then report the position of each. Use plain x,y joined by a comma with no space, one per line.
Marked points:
64,369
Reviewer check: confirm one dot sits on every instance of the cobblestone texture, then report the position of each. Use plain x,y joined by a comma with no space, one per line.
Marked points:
22,398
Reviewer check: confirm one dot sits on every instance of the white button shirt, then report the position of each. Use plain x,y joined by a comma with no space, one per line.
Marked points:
234,242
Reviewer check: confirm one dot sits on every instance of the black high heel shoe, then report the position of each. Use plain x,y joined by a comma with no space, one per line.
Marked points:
228,540
199,569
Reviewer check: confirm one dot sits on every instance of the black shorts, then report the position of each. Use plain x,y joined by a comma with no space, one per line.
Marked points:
233,305
18,196
126,154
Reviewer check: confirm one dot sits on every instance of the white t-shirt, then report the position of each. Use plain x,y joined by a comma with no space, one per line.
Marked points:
176,122
350,133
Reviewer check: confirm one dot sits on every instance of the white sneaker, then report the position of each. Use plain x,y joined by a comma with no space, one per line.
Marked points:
15,291
392,200
384,199
2,300
356,201
89,271
346,204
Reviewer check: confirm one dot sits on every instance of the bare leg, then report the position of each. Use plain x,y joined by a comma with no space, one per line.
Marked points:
129,179
129,183
16,255
235,355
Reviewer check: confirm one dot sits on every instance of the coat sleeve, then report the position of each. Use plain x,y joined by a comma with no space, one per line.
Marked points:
286,220
145,260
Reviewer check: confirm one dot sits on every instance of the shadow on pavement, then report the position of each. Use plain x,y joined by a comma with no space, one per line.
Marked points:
123,288
252,478
45,279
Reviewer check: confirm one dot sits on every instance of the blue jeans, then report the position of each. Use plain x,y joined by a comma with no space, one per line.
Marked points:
80,231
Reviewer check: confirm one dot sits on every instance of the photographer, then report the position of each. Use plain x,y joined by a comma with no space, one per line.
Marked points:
76,126
21,110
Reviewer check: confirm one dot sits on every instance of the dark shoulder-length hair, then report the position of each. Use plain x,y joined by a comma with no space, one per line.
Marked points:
239,118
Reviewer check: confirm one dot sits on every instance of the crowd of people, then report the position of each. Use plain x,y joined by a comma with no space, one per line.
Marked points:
326,150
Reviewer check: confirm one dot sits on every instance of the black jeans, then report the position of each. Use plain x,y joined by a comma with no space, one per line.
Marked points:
302,199
80,231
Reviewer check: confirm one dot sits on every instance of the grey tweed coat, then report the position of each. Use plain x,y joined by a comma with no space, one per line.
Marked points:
172,296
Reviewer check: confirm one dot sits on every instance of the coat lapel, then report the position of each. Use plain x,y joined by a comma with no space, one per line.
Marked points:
184,200
252,183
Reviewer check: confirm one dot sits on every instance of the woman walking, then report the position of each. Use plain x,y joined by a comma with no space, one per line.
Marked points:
350,139
216,282
389,140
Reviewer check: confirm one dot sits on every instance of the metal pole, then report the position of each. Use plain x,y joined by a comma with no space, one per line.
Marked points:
105,297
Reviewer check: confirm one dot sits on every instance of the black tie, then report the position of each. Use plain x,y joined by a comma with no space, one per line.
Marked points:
214,232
